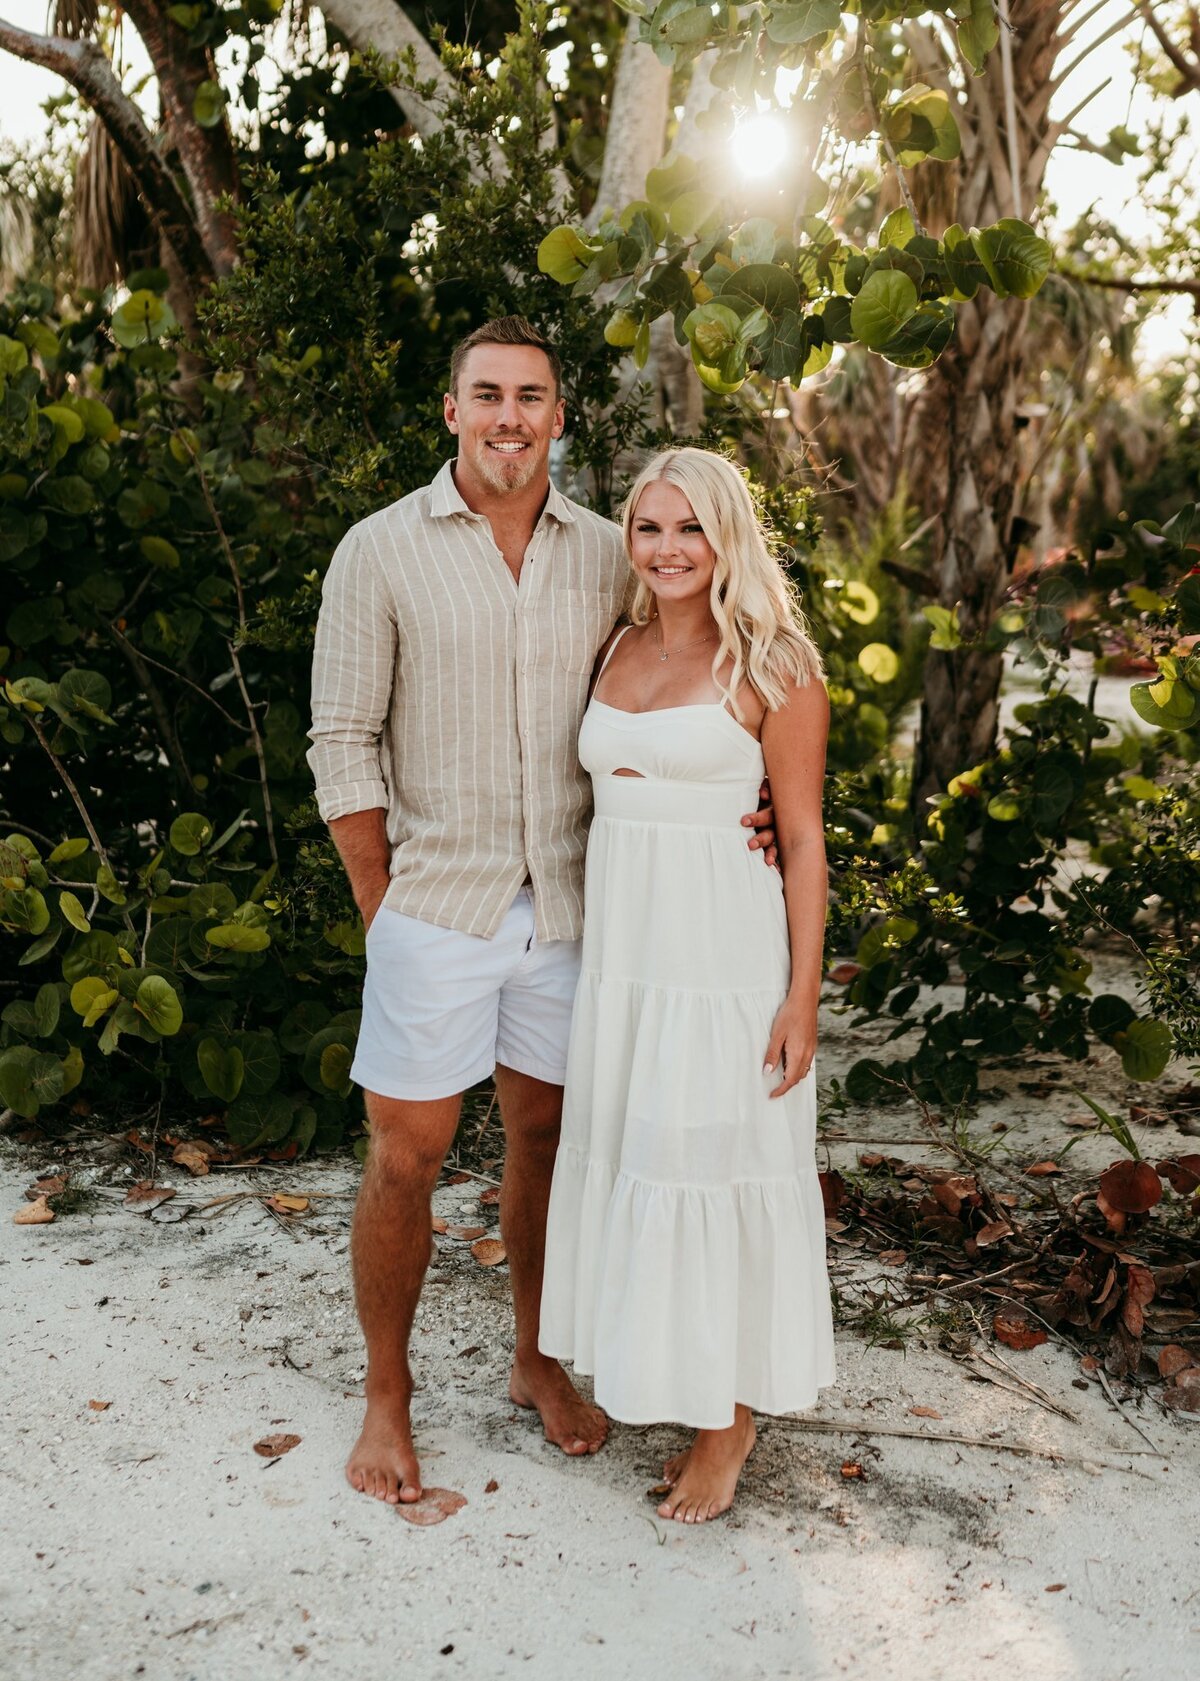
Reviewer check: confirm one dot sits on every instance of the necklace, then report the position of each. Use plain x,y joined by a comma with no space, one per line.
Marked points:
663,653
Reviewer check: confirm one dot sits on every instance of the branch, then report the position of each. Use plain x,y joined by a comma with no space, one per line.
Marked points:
1189,288
382,27
1086,52
84,66
1189,71
77,797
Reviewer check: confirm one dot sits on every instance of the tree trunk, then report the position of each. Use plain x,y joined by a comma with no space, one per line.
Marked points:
963,455
206,155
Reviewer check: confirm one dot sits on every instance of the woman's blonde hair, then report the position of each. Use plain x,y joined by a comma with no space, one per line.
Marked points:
753,601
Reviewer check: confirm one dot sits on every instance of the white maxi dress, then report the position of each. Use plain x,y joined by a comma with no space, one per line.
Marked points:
685,1247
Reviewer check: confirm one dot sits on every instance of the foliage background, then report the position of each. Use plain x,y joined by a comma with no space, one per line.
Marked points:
177,928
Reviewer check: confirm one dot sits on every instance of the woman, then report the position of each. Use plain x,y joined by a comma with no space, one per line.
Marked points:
685,1258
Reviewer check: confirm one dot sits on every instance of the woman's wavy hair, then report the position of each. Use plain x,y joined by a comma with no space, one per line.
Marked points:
753,600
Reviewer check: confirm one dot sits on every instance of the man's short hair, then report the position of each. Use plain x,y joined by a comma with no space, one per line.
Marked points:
506,329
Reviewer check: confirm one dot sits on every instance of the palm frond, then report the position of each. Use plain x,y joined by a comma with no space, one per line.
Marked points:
75,18
110,226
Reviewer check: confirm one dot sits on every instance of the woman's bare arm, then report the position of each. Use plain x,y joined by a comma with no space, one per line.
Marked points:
794,741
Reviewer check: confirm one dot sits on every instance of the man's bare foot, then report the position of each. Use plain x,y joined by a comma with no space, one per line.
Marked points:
567,1419
383,1464
706,1476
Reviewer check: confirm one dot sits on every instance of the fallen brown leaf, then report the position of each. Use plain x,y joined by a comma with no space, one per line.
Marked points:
893,1257
434,1506
1189,1378
1139,1292
842,973
489,1251
52,1185
457,1179
1042,1170
272,1446
1182,1400
491,1486
490,1197
37,1213
833,1190
135,1138
924,1412
195,1157
1181,1172
994,1232
99,1406
853,1471
144,1196
287,1205
1015,1331
1085,1123
1171,1359
1056,1587
466,1234
439,1225
1131,1187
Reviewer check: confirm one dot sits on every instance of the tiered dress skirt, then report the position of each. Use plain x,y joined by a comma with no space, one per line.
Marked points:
685,1263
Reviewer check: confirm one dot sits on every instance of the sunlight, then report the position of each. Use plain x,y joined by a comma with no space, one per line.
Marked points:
760,144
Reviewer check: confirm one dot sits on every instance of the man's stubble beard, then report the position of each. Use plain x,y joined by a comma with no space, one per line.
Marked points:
511,477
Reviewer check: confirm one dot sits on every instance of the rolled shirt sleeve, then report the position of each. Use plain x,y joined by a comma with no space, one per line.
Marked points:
352,681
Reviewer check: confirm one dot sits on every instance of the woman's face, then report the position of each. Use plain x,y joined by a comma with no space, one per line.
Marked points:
670,553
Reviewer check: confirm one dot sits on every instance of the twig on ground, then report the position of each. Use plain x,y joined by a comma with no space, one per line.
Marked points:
1129,1419
1033,1389
865,1427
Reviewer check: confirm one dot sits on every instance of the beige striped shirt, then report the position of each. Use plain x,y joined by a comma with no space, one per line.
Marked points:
452,696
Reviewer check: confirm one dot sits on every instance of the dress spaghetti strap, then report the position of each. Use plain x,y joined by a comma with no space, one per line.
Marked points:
611,651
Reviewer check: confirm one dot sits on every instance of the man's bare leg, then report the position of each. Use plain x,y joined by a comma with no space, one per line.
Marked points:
390,1246
532,1115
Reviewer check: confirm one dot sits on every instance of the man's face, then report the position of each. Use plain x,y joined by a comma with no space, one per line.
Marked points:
504,415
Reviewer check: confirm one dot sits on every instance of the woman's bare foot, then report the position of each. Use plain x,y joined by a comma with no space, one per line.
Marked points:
706,1476
567,1419
383,1464
675,1467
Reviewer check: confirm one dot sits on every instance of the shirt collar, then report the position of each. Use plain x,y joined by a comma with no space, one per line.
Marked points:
446,499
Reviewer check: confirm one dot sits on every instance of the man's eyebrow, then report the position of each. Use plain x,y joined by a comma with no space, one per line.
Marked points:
492,385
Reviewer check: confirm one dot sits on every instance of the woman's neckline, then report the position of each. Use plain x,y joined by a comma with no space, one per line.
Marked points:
688,706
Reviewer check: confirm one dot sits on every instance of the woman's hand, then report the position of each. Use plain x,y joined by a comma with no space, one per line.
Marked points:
793,1043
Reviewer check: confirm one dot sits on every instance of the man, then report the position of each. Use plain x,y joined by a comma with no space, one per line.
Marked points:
457,635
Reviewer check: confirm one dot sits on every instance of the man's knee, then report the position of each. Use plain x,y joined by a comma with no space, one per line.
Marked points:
530,1109
409,1141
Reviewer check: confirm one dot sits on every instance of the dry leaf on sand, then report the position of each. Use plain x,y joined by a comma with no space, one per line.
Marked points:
99,1406
37,1213
195,1157
1015,1331
924,1412
272,1446
434,1506
466,1233
439,1225
287,1205
490,1197
853,1471
144,1196
488,1251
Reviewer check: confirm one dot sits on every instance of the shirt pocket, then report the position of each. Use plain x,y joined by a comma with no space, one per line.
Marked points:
582,619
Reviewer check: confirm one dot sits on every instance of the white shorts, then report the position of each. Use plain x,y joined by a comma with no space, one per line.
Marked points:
442,1008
